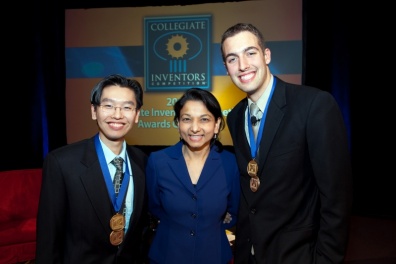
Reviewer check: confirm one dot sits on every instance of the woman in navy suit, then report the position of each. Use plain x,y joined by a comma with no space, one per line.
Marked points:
192,185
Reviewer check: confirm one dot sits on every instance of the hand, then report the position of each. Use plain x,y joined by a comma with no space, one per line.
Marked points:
227,218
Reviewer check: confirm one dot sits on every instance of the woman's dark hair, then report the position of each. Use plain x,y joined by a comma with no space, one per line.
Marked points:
211,103
121,81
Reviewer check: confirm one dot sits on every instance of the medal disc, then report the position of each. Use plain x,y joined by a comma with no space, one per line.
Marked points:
252,168
254,183
117,222
116,237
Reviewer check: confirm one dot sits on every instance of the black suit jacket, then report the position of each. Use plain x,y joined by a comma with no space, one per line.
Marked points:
75,209
300,213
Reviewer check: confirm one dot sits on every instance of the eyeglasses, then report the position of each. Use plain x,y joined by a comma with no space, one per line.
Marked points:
110,109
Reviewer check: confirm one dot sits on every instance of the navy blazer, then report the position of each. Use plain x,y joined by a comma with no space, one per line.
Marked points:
300,213
191,228
75,209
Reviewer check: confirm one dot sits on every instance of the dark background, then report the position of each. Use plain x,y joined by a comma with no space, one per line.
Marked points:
344,52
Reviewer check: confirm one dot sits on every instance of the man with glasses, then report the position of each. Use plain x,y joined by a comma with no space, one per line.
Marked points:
93,206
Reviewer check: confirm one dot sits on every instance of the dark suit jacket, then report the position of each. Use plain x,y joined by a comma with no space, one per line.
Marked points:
300,213
75,209
191,228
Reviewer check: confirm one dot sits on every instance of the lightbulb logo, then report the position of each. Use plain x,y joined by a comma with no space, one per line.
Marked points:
177,53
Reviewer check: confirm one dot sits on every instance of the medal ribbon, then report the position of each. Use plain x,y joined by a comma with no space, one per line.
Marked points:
253,144
117,201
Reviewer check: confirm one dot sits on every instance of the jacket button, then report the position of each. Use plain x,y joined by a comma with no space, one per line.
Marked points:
192,233
252,211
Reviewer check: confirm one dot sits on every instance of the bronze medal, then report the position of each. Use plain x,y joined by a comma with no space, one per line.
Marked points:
252,168
117,222
116,237
254,183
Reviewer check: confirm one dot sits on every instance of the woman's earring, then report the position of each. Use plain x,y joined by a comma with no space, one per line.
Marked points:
215,136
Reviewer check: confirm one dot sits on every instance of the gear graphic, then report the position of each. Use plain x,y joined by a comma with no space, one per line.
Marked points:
177,46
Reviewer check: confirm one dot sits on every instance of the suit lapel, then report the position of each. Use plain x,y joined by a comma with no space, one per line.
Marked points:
272,122
241,146
138,177
241,139
210,168
178,165
95,185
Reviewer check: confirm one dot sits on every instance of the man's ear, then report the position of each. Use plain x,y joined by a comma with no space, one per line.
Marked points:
225,68
93,112
267,56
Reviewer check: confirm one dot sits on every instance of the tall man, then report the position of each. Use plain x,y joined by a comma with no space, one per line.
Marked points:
296,176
